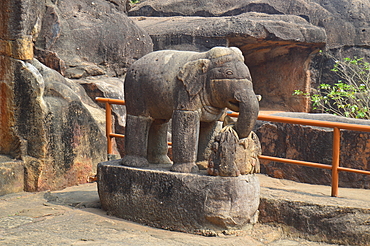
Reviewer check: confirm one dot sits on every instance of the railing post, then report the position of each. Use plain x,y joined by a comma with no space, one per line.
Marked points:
108,126
335,162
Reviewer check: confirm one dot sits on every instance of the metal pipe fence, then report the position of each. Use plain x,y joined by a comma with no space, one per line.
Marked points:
334,167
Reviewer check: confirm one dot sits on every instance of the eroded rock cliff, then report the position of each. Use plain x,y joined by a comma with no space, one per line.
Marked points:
50,127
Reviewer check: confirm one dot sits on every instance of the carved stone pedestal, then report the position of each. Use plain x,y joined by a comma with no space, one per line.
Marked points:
194,203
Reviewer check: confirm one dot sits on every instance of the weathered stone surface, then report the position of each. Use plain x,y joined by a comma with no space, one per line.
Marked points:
315,215
45,124
271,44
255,26
285,140
89,37
109,87
13,40
19,17
232,156
7,121
11,175
335,224
350,17
183,202
48,121
50,59
59,139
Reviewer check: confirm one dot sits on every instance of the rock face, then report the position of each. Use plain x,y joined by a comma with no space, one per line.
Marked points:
351,17
285,140
84,38
58,139
271,44
51,130
92,41
109,87
192,203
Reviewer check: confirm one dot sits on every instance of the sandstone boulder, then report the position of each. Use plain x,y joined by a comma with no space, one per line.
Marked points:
60,129
82,38
352,18
346,23
52,127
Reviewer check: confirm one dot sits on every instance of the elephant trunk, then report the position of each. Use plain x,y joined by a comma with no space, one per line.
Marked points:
248,113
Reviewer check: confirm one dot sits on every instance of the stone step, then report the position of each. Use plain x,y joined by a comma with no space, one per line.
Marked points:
313,213
187,202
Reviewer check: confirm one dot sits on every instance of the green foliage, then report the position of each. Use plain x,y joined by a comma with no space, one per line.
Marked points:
134,1
350,97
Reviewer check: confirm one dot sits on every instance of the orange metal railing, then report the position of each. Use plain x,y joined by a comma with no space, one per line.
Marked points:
335,168
108,120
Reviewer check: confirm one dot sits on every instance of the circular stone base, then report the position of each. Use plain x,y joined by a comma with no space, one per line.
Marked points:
184,202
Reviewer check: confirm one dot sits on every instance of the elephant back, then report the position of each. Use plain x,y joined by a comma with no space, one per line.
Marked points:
151,81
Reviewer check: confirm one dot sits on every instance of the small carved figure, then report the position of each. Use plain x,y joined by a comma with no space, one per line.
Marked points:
193,89
232,156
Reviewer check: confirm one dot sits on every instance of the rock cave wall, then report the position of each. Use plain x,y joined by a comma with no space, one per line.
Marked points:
52,132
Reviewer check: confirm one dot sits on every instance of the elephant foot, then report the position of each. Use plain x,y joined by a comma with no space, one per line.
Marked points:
185,168
134,161
160,159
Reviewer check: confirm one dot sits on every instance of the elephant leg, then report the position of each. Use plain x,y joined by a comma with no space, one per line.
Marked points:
185,135
136,141
157,145
206,136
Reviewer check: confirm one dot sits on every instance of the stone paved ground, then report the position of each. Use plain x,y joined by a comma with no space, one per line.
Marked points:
73,217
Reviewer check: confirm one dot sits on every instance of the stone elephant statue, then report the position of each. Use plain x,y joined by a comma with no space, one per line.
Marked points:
193,89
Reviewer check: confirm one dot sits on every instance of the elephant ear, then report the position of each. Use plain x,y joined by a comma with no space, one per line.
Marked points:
193,75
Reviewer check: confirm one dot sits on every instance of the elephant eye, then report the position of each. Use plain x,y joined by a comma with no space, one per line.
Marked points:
229,72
